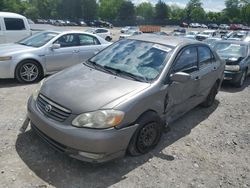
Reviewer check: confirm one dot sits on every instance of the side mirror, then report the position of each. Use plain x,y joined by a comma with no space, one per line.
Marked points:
55,46
181,77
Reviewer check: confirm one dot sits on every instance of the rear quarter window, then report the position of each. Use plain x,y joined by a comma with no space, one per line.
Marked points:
14,24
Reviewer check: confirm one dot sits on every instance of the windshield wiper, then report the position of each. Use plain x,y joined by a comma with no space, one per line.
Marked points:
121,72
99,67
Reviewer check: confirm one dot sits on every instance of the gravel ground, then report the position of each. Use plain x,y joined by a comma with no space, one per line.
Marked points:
205,148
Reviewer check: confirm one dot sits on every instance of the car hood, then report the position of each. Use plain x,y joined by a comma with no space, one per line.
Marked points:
83,89
12,48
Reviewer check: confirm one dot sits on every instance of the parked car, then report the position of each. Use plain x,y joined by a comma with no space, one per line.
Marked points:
204,26
224,27
30,21
206,34
236,26
45,53
125,29
194,25
192,34
237,57
104,33
212,41
213,26
130,33
60,23
41,21
13,27
120,100
180,30
184,24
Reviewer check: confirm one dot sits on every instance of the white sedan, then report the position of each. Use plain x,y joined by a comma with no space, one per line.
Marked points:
47,52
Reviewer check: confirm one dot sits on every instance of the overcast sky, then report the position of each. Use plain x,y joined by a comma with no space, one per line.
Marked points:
209,5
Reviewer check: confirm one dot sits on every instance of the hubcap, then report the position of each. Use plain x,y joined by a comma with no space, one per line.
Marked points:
29,72
147,137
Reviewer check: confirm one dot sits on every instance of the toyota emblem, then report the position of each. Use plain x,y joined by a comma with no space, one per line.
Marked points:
48,108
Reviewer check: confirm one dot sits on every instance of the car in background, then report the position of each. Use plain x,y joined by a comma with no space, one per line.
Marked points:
104,33
213,26
30,21
46,53
237,35
224,27
60,23
194,25
206,34
236,27
237,57
51,21
120,100
180,30
204,26
125,29
13,27
129,33
184,24
212,41
41,21
192,34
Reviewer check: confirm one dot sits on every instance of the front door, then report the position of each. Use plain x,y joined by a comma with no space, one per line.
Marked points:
66,56
181,97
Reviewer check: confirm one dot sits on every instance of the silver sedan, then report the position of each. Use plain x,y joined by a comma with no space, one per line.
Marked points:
46,53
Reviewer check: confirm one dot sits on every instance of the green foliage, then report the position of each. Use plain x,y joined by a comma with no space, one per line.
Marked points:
162,11
198,14
145,10
126,11
108,9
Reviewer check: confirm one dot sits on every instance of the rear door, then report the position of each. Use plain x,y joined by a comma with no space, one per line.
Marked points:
66,56
89,46
181,97
102,33
15,29
208,70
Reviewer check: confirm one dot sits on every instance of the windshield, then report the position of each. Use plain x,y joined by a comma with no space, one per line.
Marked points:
142,59
231,50
38,40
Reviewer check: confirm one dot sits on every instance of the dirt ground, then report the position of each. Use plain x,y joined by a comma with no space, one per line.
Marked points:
207,148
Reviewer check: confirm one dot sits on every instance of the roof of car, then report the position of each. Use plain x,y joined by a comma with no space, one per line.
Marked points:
233,41
164,40
10,14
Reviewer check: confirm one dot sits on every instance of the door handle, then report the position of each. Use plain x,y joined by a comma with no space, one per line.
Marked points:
197,78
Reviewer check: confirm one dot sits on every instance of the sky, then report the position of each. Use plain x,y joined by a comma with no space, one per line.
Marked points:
208,5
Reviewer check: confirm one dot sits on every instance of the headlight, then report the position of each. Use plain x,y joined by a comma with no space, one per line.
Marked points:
99,119
234,68
37,90
5,58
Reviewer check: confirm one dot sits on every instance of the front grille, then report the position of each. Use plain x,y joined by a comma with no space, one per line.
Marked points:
51,109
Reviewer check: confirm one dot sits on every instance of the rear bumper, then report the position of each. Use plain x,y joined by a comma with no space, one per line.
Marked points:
84,144
232,77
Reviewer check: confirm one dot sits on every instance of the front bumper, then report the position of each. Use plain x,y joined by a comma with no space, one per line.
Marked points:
5,69
232,77
81,143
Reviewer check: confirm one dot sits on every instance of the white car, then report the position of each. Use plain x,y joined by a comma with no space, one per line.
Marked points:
46,53
13,27
104,33
125,29
130,33
195,25
206,34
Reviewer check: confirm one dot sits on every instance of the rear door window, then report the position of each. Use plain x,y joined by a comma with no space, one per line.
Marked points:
86,40
205,56
14,24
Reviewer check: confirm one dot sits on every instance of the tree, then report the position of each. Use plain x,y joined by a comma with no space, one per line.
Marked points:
126,11
232,10
198,14
192,4
162,11
246,13
145,10
108,9
177,13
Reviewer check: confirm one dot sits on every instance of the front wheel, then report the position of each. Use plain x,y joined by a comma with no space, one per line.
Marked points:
147,135
240,83
108,39
28,72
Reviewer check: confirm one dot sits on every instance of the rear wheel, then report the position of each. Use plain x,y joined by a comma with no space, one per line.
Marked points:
28,71
240,83
211,96
147,135
108,39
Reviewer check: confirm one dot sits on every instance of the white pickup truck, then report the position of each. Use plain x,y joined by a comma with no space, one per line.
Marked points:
13,27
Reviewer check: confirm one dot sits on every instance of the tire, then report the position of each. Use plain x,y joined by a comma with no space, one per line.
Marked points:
28,71
211,96
147,135
108,39
240,83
